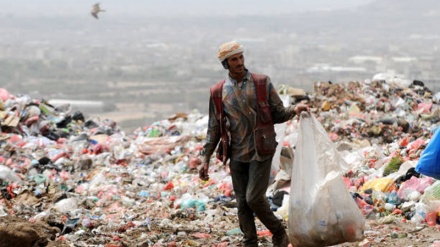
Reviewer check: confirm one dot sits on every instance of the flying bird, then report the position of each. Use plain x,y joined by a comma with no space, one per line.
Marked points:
96,9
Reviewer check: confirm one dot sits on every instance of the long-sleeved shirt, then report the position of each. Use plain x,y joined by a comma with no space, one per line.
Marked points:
240,108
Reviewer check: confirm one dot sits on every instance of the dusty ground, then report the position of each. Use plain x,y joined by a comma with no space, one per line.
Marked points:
398,234
15,231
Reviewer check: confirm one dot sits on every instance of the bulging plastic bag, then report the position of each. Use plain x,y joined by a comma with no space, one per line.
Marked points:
322,211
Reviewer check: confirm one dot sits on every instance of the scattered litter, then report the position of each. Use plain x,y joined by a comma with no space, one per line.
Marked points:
85,182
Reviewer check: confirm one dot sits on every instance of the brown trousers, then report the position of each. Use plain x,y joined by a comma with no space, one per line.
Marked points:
250,182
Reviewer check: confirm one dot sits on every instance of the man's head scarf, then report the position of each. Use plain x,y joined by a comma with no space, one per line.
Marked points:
229,49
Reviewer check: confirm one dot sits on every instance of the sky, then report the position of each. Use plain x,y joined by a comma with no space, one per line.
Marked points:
172,7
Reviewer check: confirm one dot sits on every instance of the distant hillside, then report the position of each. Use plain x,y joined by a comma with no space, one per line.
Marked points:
384,19
410,8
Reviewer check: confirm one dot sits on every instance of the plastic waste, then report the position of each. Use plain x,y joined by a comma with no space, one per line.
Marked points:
235,231
420,213
394,199
66,205
322,211
7,174
431,218
430,157
121,185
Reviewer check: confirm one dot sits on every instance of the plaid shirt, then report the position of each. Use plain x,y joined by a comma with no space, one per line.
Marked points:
241,118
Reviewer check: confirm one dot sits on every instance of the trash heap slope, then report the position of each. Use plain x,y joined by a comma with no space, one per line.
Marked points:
86,182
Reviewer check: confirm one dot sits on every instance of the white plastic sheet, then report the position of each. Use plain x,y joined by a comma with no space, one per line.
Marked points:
322,212
8,175
280,130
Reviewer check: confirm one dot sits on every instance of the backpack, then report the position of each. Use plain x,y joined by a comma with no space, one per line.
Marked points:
264,132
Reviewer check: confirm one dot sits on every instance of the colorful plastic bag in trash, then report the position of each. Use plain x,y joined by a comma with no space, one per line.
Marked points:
322,211
429,162
379,184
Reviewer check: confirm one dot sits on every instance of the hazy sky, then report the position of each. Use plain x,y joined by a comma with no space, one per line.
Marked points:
172,7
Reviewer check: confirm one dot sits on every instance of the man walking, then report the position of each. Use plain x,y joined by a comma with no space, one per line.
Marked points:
243,109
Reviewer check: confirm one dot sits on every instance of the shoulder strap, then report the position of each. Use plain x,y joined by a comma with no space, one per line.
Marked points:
260,86
216,94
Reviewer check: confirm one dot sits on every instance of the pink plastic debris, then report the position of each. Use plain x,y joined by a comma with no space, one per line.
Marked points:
265,233
416,144
201,235
365,243
17,140
347,181
333,136
414,184
226,188
65,175
194,163
4,94
31,120
224,244
424,107
363,206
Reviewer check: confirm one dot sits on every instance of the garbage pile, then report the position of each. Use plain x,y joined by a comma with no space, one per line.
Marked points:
67,180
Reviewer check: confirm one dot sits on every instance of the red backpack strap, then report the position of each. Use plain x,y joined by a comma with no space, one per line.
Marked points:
223,149
263,107
260,86
216,94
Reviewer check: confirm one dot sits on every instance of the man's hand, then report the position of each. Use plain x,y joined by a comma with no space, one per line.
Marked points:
203,171
300,108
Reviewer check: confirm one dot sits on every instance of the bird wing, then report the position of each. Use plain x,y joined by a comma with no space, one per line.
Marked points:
95,15
95,7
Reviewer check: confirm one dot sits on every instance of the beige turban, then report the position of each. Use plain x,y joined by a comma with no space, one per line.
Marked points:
228,49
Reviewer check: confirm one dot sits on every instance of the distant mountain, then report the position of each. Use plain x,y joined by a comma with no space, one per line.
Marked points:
411,8
378,20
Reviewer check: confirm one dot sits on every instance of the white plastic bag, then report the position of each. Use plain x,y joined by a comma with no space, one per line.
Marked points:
8,175
280,130
322,211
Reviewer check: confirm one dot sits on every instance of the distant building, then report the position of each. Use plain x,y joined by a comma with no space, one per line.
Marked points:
86,105
320,68
365,59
